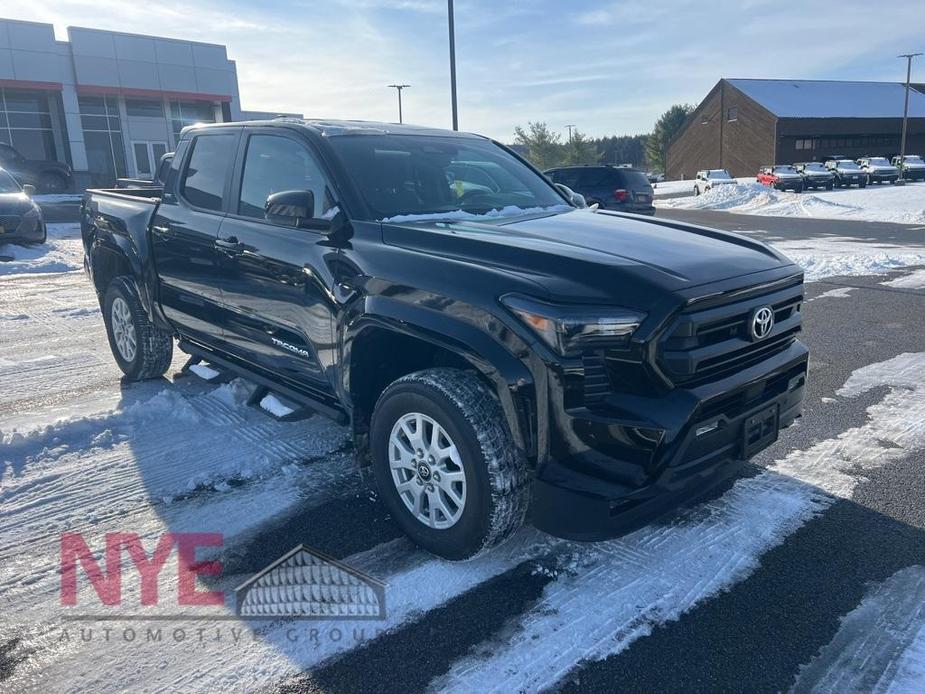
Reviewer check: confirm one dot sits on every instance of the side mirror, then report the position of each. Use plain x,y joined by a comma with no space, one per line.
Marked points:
293,207
577,199
29,190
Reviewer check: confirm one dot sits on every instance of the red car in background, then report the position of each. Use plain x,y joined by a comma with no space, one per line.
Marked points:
783,177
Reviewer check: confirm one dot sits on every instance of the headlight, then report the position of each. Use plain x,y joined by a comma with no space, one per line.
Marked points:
569,329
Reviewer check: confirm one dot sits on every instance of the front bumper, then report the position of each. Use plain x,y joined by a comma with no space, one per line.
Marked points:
882,177
789,185
601,482
21,228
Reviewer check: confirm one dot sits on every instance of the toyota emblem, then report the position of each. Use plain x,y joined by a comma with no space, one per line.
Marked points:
762,322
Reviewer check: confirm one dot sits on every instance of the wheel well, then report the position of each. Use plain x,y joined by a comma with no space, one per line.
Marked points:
379,357
108,264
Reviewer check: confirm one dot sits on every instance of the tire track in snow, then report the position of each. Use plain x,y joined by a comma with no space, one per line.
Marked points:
600,604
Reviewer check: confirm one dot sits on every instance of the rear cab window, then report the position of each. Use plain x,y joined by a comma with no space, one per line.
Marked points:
207,170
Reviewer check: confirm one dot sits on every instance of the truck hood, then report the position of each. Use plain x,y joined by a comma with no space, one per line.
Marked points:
15,203
585,255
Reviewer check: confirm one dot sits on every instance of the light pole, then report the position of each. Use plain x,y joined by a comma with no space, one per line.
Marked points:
902,142
398,88
570,126
451,21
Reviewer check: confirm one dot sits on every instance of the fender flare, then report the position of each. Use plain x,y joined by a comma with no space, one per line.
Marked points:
522,397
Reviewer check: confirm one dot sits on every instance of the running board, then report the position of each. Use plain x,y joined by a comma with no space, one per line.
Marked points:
277,401
198,366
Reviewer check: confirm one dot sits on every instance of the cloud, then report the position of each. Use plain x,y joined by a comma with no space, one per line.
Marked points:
611,68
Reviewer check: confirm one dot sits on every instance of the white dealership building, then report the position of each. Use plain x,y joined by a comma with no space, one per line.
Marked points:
106,103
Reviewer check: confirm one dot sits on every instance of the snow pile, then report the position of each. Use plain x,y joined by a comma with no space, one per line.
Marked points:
62,252
835,256
461,215
673,188
899,204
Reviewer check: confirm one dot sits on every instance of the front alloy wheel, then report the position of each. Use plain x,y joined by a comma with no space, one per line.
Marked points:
427,471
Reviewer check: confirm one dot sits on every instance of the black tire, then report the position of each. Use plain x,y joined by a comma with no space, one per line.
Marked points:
862,184
495,473
51,182
153,345
829,186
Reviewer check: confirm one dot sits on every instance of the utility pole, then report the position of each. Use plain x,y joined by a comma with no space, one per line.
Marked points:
398,88
570,126
902,142
450,13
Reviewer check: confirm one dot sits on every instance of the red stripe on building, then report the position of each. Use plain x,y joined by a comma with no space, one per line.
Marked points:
151,93
26,84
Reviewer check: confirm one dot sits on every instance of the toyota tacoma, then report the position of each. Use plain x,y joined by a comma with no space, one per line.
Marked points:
495,351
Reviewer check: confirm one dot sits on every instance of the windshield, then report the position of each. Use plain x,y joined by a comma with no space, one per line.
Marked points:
879,161
784,169
718,173
7,184
400,175
846,164
814,167
913,159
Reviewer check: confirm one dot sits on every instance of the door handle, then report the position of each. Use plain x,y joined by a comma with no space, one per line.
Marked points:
230,245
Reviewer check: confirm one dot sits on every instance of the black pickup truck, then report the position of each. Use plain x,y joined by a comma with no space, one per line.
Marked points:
495,350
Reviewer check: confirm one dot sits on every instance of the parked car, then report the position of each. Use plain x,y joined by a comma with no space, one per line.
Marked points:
489,350
655,176
47,176
618,188
847,173
815,175
709,178
878,170
21,219
782,177
160,175
912,167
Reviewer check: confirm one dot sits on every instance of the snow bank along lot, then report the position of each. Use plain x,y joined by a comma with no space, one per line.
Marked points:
878,203
82,453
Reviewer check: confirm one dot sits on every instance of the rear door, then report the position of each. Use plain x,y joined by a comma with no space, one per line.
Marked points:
277,281
185,230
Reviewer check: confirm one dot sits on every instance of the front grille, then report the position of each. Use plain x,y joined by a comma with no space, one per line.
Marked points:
706,345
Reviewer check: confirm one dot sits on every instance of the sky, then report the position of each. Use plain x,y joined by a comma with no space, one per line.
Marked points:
610,68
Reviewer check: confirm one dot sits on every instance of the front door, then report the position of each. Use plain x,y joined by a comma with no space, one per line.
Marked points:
147,157
184,233
277,284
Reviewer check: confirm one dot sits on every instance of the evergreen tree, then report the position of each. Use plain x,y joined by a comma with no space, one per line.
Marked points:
666,127
544,147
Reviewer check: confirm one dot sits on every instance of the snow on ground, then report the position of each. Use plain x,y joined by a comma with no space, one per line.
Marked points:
835,256
82,452
914,280
837,293
880,647
879,203
614,592
673,188
61,253
58,198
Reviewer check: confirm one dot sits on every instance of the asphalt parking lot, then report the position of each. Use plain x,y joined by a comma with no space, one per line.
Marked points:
739,593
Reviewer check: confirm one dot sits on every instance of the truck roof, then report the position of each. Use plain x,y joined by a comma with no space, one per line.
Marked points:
332,127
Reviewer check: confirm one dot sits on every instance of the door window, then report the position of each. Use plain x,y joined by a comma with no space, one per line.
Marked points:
209,164
274,164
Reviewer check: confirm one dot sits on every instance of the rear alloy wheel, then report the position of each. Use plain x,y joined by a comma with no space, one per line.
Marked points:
445,463
141,349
